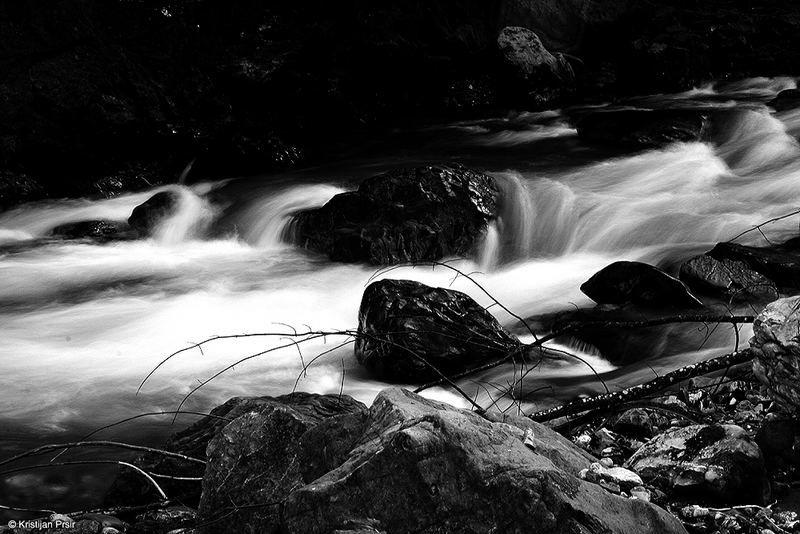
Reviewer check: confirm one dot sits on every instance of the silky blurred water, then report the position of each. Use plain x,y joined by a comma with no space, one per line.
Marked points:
84,323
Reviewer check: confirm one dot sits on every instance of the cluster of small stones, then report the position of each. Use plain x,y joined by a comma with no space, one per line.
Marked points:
739,400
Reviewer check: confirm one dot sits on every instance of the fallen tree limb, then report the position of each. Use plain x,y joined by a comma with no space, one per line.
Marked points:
607,400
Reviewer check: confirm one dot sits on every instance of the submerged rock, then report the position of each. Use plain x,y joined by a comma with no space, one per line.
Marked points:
632,282
147,216
642,128
99,230
407,215
402,322
727,278
706,463
787,99
776,345
423,466
779,263
596,326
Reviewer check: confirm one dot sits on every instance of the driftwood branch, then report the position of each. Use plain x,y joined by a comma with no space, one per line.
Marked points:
607,400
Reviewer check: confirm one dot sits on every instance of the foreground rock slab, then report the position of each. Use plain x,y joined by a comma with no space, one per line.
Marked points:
422,466
406,327
254,459
406,215
708,463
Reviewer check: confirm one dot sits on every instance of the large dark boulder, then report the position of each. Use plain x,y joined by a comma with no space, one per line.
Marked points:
407,215
147,216
632,282
422,466
727,278
406,327
642,128
715,464
779,263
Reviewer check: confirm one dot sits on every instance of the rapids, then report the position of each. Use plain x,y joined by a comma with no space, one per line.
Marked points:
83,323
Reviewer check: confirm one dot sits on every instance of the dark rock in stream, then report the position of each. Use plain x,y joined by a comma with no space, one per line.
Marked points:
410,464
650,128
147,216
406,215
403,324
596,328
779,263
632,282
788,99
727,278
99,230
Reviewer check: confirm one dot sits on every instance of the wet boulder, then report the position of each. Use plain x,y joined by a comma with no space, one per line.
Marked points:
407,328
255,459
129,488
780,263
642,128
631,282
531,65
727,278
787,99
776,345
98,230
147,216
714,464
424,466
406,215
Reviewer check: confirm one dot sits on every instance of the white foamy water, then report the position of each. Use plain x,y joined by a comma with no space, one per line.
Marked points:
83,324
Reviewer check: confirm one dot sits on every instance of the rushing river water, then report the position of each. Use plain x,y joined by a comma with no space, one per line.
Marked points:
84,323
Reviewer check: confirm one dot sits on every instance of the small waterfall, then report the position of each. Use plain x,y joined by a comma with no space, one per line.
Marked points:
263,224
751,140
490,248
191,219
